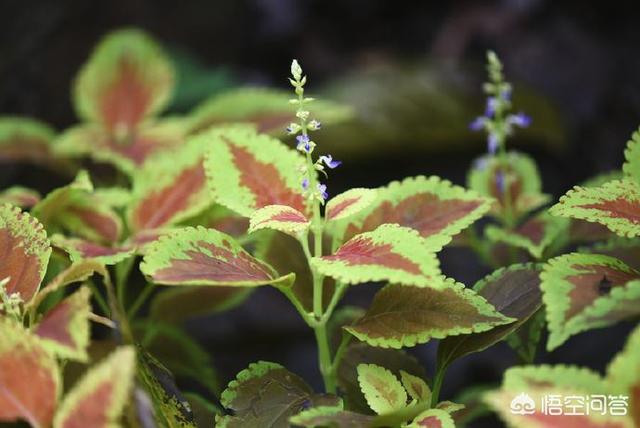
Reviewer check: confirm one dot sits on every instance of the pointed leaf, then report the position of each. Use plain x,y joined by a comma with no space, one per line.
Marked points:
349,203
247,171
97,400
64,330
24,252
416,387
435,208
20,197
623,374
199,256
170,188
534,235
383,391
521,177
29,377
584,291
74,209
433,418
279,217
389,253
406,316
266,395
80,249
24,139
126,79
268,109
514,292
631,167
615,204
176,305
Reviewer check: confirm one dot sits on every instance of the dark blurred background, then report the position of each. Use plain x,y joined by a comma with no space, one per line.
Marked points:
412,70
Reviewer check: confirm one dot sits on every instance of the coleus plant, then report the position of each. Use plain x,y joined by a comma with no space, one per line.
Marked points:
216,205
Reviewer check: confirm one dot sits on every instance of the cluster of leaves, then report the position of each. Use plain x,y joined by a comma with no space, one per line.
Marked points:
213,204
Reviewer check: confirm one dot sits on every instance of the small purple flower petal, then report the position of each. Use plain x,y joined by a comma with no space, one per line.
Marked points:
315,125
303,140
520,119
328,161
478,123
305,184
500,181
490,110
323,191
492,143
506,94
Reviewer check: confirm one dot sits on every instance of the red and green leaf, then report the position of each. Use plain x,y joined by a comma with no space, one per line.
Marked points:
279,217
615,204
406,316
25,140
349,203
381,388
24,252
623,374
389,253
334,417
171,188
199,256
29,377
268,110
521,178
437,209
20,197
433,418
585,291
81,249
74,209
99,398
64,330
247,171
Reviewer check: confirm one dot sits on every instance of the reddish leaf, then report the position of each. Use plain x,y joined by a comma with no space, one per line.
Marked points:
20,197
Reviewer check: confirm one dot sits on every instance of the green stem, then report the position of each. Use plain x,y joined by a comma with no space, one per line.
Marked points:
324,358
142,297
99,299
122,271
437,385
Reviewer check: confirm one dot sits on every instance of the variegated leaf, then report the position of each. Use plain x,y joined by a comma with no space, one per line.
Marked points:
19,196
383,391
437,209
623,375
199,256
64,330
631,166
29,377
615,204
334,417
81,249
25,140
406,316
268,110
389,253
433,418
247,171
279,217
585,291
24,252
98,399
415,386
349,203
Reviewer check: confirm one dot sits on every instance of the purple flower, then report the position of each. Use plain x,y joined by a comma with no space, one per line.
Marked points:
490,110
492,143
520,119
328,161
500,181
323,191
314,125
478,123
505,94
303,142
305,184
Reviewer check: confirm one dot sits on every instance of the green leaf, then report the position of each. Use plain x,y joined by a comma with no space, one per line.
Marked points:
526,338
631,167
171,408
615,204
333,417
199,256
268,110
29,377
81,249
437,209
383,391
64,330
623,374
74,209
522,177
247,171
433,418
24,252
515,293
98,399
534,235
585,291
19,196
176,305
170,188
406,316
389,253
127,79
266,395
24,139
416,387
279,217
349,203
